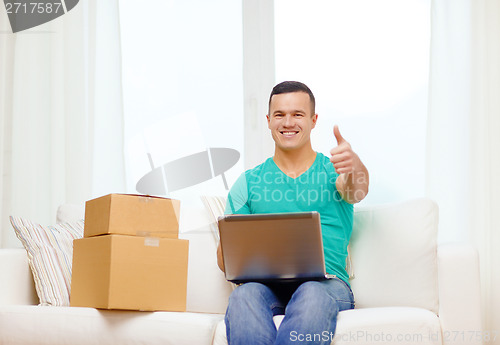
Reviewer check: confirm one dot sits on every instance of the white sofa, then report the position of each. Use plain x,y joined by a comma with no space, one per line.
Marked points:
408,290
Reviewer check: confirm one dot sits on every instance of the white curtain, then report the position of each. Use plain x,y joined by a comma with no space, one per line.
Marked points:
463,142
61,124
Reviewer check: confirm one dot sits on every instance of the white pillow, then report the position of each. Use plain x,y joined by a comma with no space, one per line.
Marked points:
50,255
215,206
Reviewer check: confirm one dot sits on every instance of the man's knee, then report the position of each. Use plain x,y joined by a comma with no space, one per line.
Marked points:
313,295
311,289
247,292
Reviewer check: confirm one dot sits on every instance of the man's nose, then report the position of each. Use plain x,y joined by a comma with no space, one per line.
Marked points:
288,121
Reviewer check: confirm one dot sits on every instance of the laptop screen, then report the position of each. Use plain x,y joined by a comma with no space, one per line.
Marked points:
266,247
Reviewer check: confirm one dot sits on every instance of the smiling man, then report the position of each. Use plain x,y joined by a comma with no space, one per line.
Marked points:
297,179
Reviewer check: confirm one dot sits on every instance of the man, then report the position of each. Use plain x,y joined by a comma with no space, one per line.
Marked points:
297,179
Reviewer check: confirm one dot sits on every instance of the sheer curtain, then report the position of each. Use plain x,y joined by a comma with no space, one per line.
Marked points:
61,126
463,142
183,94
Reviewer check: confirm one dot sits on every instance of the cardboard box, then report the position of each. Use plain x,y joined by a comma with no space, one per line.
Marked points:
129,272
136,215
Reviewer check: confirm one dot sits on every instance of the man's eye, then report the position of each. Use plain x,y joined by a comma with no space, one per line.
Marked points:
299,115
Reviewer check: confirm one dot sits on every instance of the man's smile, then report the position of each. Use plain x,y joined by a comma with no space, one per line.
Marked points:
289,133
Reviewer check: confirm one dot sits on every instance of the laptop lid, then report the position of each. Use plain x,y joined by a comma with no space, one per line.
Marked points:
267,247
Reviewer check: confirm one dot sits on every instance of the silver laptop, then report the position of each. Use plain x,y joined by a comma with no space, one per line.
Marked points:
270,247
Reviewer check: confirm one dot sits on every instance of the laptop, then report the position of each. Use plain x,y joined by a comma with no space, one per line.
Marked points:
272,247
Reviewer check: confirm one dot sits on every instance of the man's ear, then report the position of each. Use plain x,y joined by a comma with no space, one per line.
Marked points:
314,118
268,121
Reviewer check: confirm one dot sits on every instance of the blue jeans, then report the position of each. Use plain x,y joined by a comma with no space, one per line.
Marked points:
310,310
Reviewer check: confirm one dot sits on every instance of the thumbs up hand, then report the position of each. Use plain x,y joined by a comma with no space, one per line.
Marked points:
344,159
353,180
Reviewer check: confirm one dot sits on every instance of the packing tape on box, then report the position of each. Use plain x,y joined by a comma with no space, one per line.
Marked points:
142,233
146,199
152,241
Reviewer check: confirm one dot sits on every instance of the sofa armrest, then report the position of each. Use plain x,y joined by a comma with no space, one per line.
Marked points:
17,285
459,294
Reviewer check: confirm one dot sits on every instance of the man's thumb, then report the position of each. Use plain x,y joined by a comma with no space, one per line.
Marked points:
339,137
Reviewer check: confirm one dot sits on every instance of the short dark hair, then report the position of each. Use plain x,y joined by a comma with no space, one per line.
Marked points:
293,86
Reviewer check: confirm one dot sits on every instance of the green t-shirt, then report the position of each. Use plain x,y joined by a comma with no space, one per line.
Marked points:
266,189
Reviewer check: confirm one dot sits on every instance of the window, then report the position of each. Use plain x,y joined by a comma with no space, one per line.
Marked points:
183,93
367,63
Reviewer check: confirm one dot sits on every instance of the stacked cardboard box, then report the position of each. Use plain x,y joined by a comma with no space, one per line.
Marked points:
130,256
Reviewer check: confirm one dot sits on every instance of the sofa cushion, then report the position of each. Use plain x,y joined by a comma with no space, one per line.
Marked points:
399,325
87,326
50,253
394,253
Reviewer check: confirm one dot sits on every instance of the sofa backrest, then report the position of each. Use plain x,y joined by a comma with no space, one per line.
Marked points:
394,255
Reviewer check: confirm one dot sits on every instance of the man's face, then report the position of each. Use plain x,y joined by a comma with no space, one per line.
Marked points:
291,120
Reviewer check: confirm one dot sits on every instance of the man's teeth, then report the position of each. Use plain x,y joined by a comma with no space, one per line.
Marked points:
289,133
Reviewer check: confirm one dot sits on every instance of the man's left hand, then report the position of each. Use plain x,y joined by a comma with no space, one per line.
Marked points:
343,157
353,181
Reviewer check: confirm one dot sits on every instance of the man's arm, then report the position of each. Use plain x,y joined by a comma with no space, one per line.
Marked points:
353,180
